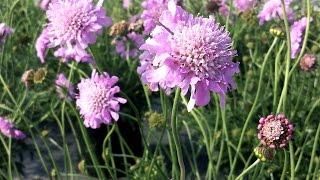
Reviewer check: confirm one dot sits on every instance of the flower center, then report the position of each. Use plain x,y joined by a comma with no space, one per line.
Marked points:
99,99
272,130
76,24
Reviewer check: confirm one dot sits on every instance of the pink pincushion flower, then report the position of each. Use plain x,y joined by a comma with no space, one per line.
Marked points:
64,87
296,32
152,12
191,53
275,131
5,31
97,101
244,5
73,25
7,129
272,9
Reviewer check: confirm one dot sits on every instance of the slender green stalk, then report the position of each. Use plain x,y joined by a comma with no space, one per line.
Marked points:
224,125
285,165
283,97
105,158
292,168
176,134
88,144
254,106
10,176
314,149
248,169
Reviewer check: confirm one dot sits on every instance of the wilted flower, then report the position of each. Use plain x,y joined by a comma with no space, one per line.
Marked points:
97,101
5,31
155,119
73,25
27,77
119,28
7,129
244,5
275,131
307,62
44,4
191,53
272,9
296,33
64,87
39,75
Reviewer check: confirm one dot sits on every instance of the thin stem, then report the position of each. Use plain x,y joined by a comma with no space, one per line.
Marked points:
176,135
248,169
254,106
314,149
292,168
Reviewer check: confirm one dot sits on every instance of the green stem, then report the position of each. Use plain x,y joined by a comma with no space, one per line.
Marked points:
248,169
224,126
314,149
283,174
176,134
254,106
292,168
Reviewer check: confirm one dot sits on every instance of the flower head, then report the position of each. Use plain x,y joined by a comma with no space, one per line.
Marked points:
272,9
244,5
296,33
27,77
73,25
275,131
307,62
152,12
7,129
213,6
133,39
97,101
191,53
64,87
5,31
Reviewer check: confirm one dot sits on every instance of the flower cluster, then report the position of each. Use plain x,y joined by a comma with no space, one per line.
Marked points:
296,33
64,87
97,101
191,53
275,131
272,9
5,31
73,25
7,129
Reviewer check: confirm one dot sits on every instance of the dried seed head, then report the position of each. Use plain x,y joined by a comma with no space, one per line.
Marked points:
119,28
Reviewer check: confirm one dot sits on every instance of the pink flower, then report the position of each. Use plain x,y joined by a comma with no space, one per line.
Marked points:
308,61
296,32
5,31
152,12
64,87
126,4
97,101
272,9
244,5
73,25
7,129
134,40
191,53
275,131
